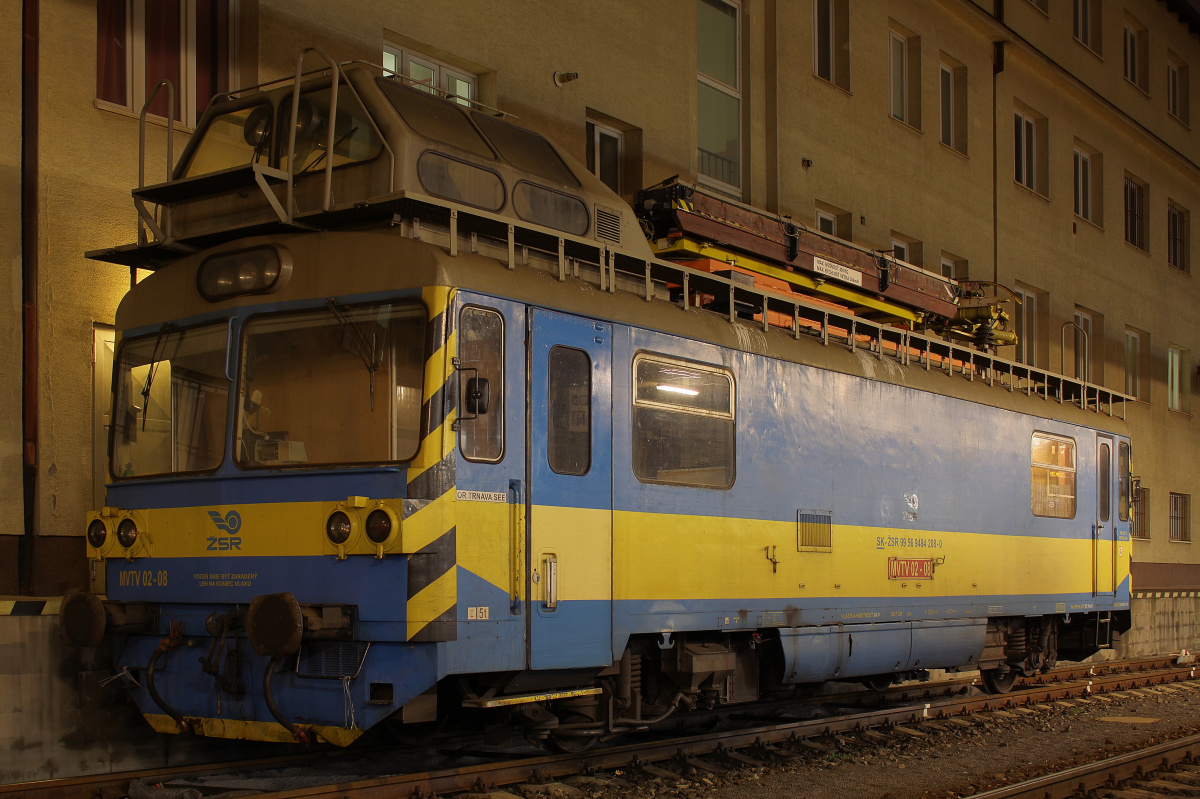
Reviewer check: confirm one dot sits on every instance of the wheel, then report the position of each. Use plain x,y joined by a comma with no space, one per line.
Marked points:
996,683
878,683
571,745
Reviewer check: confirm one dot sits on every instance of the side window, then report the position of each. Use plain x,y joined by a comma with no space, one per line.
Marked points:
1052,474
1124,470
569,435
1105,480
683,423
481,384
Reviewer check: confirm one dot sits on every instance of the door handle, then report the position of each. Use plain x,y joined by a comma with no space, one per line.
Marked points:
550,569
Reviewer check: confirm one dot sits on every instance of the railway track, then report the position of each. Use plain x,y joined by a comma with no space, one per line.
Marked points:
910,714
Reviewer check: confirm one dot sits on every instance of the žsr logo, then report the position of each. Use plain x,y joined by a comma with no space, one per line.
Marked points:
229,525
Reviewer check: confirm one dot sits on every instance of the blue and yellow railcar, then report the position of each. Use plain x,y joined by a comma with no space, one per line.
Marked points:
408,424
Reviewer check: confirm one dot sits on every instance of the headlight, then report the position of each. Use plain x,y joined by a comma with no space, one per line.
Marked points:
379,526
260,270
97,534
127,533
337,528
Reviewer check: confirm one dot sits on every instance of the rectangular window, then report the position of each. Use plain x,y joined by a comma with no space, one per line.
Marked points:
834,221
605,154
1086,24
1180,529
1025,319
340,385
569,411
953,105
1137,54
1177,90
905,57
907,249
1178,220
142,42
1135,351
1140,528
718,95
1124,480
430,75
1029,150
953,267
1083,185
827,223
1135,213
481,359
831,41
1052,476
683,420
1179,368
1083,345
1104,480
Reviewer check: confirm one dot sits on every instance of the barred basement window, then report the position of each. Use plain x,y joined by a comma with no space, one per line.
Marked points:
1141,514
1052,476
1180,530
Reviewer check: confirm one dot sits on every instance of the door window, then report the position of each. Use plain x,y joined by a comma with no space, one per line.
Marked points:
569,417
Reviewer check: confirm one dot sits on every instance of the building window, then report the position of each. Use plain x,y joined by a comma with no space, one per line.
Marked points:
1178,220
831,37
954,104
1052,476
1029,150
1177,90
1137,350
718,95
1084,342
1179,368
142,42
1137,53
905,57
953,267
1040,5
1025,321
605,154
1135,213
683,423
906,249
1180,529
430,75
1086,25
1089,183
1140,528
834,221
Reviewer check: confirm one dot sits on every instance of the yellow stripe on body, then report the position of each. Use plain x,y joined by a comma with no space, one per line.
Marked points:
432,601
486,541
665,557
428,523
581,541
252,730
438,369
270,529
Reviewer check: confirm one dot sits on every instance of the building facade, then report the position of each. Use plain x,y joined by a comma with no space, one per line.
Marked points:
1044,145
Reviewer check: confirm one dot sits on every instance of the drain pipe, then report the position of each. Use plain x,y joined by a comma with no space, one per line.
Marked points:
29,285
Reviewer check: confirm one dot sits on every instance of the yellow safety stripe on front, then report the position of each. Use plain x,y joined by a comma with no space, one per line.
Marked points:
433,601
438,369
428,523
252,730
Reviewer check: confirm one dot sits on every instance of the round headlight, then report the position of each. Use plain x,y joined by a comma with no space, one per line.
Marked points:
97,534
337,529
248,274
379,526
127,533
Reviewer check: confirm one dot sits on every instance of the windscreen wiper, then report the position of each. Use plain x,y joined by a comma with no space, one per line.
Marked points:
367,348
154,361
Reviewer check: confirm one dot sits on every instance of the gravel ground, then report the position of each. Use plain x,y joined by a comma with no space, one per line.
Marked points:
996,749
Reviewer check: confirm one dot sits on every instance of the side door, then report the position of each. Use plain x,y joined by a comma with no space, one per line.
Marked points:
1104,536
570,491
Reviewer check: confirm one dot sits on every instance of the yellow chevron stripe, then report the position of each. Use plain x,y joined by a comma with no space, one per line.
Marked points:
428,524
434,600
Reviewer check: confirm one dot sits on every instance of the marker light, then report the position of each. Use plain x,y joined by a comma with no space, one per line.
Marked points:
97,534
127,533
337,529
379,526
260,270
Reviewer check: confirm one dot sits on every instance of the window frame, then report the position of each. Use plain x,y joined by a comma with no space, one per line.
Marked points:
1135,353
1178,88
1087,24
1083,355
595,129
443,72
1136,223
553,417
1049,468
1136,55
498,391
1179,518
831,42
1179,370
732,91
729,416
1025,320
898,74
1025,150
1139,523
1178,237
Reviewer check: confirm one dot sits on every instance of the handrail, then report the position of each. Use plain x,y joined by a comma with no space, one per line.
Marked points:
326,200
170,149
1062,351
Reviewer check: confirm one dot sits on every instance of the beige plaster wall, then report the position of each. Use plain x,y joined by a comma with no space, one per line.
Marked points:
11,458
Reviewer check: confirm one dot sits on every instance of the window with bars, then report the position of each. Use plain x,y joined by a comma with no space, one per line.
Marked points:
1180,517
1135,213
1140,527
1177,236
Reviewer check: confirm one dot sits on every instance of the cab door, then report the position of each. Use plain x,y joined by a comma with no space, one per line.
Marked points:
1104,535
570,491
